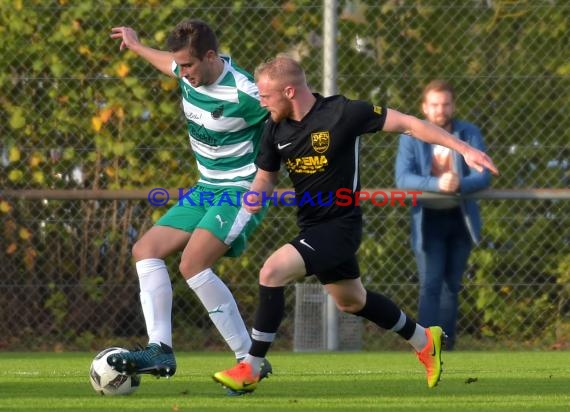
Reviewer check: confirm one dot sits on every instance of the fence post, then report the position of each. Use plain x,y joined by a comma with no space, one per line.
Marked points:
329,88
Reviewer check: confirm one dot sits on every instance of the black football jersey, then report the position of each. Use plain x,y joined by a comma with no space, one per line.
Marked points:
321,154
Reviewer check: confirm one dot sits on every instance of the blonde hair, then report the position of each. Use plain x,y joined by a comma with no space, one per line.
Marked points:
282,68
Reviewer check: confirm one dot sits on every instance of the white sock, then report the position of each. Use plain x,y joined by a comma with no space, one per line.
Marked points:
223,310
156,299
419,338
255,363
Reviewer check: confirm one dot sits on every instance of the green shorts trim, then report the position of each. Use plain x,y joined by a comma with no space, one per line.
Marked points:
217,210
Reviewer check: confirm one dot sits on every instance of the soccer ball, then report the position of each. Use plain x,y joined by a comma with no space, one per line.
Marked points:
107,381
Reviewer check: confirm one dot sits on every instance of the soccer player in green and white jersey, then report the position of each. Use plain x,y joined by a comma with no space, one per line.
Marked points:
224,120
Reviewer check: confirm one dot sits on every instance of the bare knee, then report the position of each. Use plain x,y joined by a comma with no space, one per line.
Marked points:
271,276
349,305
349,295
140,251
189,268
146,248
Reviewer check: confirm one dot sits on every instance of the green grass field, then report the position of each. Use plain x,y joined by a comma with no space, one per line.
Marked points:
392,381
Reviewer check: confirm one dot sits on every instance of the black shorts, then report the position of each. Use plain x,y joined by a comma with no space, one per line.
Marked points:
329,249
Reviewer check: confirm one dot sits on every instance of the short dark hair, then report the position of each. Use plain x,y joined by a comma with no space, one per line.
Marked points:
438,85
196,35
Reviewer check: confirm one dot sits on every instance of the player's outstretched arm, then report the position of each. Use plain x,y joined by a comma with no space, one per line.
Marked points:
430,133
160,59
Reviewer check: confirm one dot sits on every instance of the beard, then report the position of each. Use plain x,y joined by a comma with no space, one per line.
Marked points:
281,114
443,121
277,116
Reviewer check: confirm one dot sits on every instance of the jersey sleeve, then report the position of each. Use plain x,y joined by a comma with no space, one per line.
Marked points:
248,94
250,109
175,69
268,158
365,117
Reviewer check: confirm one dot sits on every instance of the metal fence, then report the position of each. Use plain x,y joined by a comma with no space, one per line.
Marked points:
76,114
66,291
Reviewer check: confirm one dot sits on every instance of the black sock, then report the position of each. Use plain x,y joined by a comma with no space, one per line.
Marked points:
385,313
270,312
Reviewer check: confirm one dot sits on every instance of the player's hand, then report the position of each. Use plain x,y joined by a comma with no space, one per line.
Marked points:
448,182
128,36
479,160
251,202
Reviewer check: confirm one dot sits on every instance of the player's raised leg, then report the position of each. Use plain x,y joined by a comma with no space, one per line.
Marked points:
378,308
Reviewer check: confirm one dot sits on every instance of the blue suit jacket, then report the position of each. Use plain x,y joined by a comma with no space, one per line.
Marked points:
413,171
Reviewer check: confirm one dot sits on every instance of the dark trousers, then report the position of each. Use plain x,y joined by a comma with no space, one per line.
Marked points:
441,264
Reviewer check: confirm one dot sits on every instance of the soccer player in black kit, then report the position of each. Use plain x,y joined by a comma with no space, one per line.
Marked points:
317,138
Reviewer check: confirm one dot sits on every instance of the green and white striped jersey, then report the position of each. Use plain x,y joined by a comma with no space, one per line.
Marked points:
225,122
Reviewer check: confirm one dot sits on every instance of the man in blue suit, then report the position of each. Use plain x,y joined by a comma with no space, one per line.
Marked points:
443,230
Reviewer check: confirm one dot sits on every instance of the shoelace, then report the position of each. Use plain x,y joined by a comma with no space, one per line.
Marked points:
141,352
